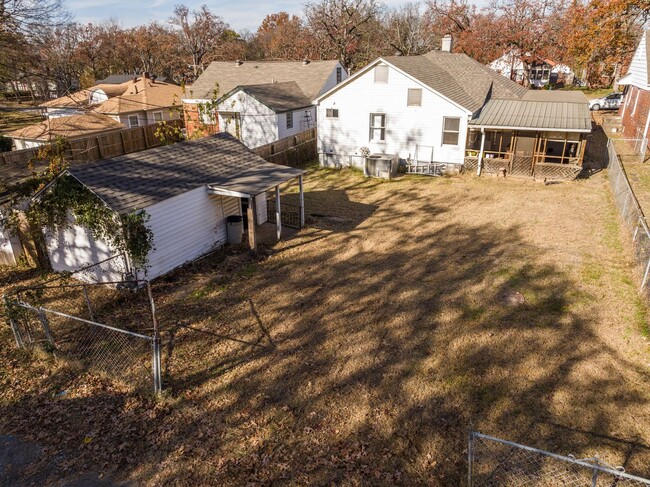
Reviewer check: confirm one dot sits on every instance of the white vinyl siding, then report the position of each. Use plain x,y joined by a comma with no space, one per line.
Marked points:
258,124
406,127
184,228
262,212
75,247
301,122
638,70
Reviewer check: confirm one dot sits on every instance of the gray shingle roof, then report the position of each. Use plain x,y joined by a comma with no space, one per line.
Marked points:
279,97
310,77
139,180
458,77
118,79
532,114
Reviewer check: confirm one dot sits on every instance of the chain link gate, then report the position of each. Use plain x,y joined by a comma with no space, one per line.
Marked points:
499,463
106,327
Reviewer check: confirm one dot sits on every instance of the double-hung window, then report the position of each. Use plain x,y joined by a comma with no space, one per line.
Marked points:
377,127
157,116
289,120
450,131
332,113
133,121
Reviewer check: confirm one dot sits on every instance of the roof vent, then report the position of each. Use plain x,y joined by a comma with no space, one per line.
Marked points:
239,62
305,62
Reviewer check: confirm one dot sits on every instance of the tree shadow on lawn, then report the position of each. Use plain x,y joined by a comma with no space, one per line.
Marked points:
389,340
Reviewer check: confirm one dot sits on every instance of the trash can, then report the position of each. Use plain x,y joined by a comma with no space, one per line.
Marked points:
235,229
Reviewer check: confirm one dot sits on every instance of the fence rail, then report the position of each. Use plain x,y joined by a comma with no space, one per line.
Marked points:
105,327
631,212
295,150
494,462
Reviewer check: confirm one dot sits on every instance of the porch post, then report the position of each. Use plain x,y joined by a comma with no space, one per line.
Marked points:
252,219
480,154
278,215
302,202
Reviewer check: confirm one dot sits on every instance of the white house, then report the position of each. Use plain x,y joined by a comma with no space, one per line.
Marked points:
188,190
532,70
259,102
417,107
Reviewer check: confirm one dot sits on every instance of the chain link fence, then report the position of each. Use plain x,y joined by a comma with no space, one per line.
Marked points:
630,210
499,463
630,150
110,328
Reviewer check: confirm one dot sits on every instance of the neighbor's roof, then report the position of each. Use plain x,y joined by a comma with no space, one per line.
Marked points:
455,76
143,94
310,77
279,97
78,99
141,179
118,79
638,74
70,127
538,110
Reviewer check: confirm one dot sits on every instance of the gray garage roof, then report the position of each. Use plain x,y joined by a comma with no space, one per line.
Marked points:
310,77
279,97
537,111
139,180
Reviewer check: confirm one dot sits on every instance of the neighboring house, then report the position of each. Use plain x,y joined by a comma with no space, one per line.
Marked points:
533,71
426,110
258,102
70,128
187,189
635,111
139,101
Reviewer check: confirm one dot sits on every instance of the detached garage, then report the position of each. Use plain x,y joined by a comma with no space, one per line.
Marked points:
187,190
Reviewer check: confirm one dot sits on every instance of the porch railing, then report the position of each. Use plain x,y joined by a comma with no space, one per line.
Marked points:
523,166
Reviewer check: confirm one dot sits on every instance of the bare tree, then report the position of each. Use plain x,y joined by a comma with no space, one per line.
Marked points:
409,31
344,23
200,32
27,17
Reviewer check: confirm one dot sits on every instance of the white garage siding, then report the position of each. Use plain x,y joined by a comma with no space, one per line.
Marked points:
187,226
257,123
10,248
260,204
74,247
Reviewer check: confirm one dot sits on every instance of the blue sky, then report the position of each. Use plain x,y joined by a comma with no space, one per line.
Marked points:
240,14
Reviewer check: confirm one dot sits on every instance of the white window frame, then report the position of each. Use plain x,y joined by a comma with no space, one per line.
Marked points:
289,120
158,113
408,93
376,70
457,132
381,128
332,113
137,121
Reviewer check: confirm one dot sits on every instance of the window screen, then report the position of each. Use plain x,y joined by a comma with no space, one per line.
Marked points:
381,74
414,98
450,131
332,113
289,120
377,126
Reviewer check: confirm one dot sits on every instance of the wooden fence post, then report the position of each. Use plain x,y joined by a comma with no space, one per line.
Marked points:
123,144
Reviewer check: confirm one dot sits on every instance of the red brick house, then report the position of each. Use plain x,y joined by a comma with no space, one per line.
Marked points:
635,110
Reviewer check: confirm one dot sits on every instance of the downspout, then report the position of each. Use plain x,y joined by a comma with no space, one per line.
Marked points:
480,154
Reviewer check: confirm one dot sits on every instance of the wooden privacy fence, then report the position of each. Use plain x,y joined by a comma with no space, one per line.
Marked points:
98,147
295,150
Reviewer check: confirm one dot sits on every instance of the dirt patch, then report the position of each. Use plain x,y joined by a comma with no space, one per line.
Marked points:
362,350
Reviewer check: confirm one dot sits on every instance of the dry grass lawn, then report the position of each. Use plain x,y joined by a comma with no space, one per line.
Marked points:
362,351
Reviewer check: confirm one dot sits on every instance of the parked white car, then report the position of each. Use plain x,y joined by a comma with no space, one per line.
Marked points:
609,102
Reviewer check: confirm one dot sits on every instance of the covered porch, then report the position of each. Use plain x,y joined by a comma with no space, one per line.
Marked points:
541,136
254,184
